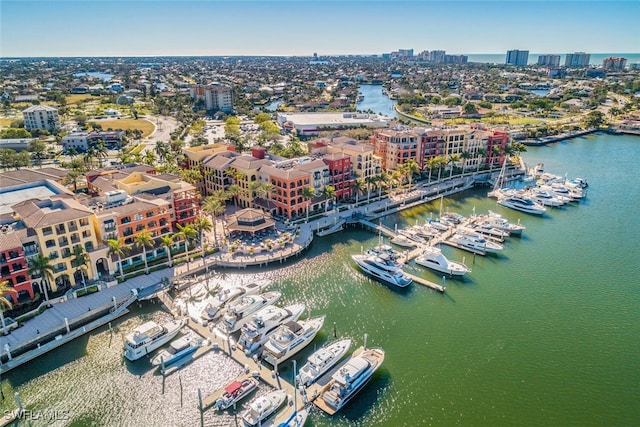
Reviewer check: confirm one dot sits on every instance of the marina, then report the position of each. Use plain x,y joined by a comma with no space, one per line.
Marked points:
534,310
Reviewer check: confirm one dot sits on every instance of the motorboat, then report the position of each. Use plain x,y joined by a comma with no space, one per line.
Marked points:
290,338
263,322
182,347
474,242
349,379
383,267
403,241
426,231
148,337
297,419
522,204
387,251
321,361
439,225
453,217
412,234
238,312
547,197
495,220
490,231
224,296
434,259
262,407
235,392
572,193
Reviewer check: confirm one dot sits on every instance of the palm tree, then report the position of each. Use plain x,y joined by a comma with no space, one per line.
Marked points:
89,155
370,181
79,261
451,161
4,302
255,191
39,266
186,232
329,192
465,155
382,180
202,225
72,179
234,191
308,193
432,163
119,249
101,152
411,168
267,189
167,242
144,240
480,153
357,186
213,207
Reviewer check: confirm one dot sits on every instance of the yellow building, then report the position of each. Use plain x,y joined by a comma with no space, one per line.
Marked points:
60,224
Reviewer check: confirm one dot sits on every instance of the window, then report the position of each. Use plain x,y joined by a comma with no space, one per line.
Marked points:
149,214
47,231
137,217
50,243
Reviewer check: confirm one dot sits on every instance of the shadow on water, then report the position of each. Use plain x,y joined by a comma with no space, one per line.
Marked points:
366,398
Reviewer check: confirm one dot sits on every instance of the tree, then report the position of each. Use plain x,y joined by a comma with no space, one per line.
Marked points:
465,155
202,225
594,119
470,109
144,240
40,266
101,152
329,192
38,150
308,193
452,160
187,233
411,168
357,187
4,302
72,178
79,262
480,153
235,191
167,242
370,181
119,249
213,206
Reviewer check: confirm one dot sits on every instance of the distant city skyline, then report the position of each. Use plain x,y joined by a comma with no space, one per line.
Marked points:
300,28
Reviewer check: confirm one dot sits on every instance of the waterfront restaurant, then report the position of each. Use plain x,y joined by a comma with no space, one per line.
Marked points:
250,221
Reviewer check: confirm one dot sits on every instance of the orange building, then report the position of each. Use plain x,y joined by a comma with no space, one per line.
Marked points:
289,185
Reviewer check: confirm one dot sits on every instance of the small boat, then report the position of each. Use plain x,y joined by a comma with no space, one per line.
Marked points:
148,337
434,259
321,361
238,312
263,407
403,241
412,234
177,349
256,331
384,268
290,338
235,392
349,379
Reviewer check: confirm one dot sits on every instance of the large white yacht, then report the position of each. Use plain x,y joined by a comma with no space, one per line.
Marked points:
148,337
496,220
321,361
434,259
182,347
263,322
350,379
224,296
262,407
238,312
474,242
290,338
381,266
522,204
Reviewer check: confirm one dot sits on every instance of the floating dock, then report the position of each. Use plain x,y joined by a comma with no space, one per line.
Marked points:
427,283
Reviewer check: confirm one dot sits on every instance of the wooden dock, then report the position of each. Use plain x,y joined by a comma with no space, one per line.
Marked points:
427,283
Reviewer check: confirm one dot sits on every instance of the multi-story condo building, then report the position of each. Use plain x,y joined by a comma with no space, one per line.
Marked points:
549,60
577,60
13,265
216,96
319,173
60,223
81,141
210,160
517,57
289,185
614,63
242,171
41,117
340,172
396,146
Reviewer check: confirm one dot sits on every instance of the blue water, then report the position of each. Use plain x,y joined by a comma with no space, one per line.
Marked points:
104,76
596,58
376,101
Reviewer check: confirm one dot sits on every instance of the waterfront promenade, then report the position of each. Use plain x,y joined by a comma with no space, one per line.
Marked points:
65,316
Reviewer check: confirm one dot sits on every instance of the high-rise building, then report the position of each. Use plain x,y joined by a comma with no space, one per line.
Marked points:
614,63
41,117
517,57
577,60
217,96
549,60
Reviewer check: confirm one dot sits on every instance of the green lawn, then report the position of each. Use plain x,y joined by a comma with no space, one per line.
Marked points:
124,124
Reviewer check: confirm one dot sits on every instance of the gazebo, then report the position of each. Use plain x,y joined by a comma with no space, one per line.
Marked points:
250,221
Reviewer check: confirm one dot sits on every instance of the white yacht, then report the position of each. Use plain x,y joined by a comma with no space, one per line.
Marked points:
182,347
474,242
349,379
522,204
496,220
262,407
290,338
238,312
321,361
412,234
381,266
547,197
148,337
263,322
224,296
403,241
490,231
297,419
235,392
434,259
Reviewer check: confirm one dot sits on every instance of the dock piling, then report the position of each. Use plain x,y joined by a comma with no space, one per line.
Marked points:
200,408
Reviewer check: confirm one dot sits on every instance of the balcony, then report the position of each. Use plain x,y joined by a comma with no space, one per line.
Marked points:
73,226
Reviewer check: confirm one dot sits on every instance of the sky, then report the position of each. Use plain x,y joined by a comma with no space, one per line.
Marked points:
301,27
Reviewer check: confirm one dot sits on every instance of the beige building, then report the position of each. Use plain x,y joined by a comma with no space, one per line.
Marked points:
41,117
